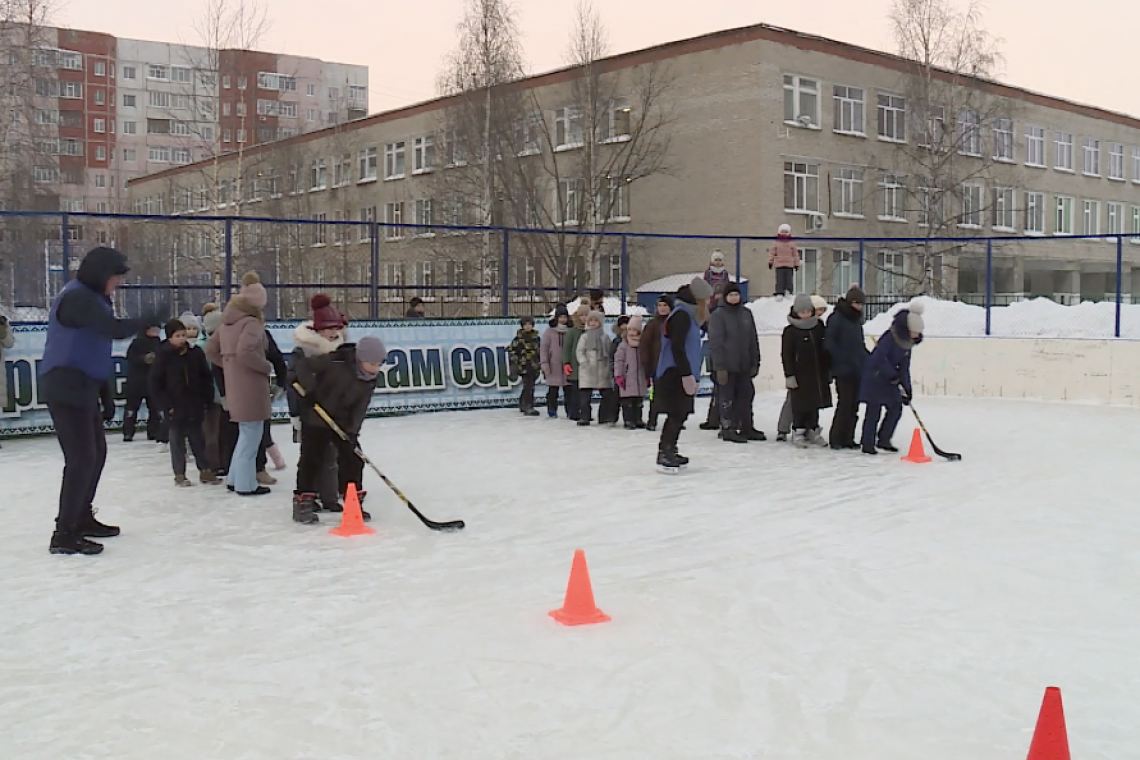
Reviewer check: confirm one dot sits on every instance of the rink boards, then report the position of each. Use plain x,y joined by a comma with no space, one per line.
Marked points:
433,365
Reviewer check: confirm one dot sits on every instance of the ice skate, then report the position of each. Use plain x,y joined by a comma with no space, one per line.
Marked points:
667,461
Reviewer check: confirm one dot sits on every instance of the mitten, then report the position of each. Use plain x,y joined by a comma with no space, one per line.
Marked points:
689,383
791,383
620,382
567,370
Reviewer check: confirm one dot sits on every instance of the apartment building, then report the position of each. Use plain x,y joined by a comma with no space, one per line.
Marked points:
759,126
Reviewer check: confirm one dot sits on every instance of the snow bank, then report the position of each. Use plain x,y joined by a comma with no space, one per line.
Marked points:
674,282
612,307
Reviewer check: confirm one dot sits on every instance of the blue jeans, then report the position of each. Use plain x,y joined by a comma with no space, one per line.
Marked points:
243,467
874,434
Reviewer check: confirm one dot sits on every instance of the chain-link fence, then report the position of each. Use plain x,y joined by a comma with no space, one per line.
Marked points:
1071,286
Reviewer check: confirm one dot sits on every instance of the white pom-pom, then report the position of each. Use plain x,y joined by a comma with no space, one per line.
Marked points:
916,307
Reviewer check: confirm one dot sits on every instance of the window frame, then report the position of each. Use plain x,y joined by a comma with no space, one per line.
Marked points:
1032,139
890,188
1090,217
423,155
1116,159
849,192
1035,210
798,178
1064,207
395,153
1090,156
368,164
897,114
566,120
1004,138
1004,204
1062,148
795,88
843,106
967,190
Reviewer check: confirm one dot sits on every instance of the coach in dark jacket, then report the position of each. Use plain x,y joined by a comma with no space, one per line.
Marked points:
74,371
735,350
847,350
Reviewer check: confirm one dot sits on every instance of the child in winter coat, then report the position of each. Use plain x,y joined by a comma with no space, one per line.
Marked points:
717,276
140,357
550,355
886,379
847,350
595,372
630,376
735,350
650,350
182,384
785,259
610,408
342,383
524,352
784,426
570,360
806,371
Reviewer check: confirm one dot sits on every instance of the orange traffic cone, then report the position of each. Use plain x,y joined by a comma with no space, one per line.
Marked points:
917,454
579,609
352,521
1050,739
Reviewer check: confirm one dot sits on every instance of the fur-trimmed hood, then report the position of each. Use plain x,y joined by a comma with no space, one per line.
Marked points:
238,308
312,343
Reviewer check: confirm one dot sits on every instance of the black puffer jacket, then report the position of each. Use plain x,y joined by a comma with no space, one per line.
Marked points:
333,382
181,380
141,356
846,346
806,360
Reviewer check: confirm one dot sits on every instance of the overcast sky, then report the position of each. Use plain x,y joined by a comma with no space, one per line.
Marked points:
1081,51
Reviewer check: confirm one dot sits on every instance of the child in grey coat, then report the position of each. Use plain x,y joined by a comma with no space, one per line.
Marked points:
595,370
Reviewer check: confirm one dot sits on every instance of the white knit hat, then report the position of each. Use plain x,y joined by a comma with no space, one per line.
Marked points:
914,321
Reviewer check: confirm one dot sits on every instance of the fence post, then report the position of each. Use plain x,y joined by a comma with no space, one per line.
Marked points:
374,278
1119,274
228,280
861,263
989,285
505,271
738,275
66,253
624,271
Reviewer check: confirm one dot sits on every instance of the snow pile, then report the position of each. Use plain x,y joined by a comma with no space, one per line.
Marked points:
674,282
612,307
771,314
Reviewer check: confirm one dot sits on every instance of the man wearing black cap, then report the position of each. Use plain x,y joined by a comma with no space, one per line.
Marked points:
73,374
847,349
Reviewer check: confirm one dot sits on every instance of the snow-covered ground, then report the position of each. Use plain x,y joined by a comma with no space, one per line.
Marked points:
768,603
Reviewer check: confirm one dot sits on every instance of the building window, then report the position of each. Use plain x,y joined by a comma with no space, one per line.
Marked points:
311,90
616,202
423,154
320,230
226,82
100,153
971,206
394,160
1115,161
272,81
129,72
227,136
528,135
180,156
342,171
567,128
892,118
848,192
1035,213
180,74
160,73
618,126
1136,165
367,216
159,154
425,279
933,127
801,101
226,109
1004,212
239,109
1035,146
100,97
100,69
1090,149
807,276
1003,140
571,193
129,101
1063,219
45,175
1115,219
159,99
241,135
891,274
318,174
801,186
312,114
99,126
395,278
892,188
969,133
100,180
844,271
850,106
1090,218
1063,149
129,155
394,215
425,219
73,90
454,150
367,161
931,204
1135,224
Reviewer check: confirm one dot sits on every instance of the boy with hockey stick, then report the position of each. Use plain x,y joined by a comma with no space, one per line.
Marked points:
342,383
886,379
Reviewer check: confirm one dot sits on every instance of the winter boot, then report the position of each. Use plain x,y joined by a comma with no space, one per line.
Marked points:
552,413
259,491
208,478
870,450
800,439
265,479
708,426
781,438
753,434
275,454
531,412
89,527
888,446
816,438
731,436
583,423
62,543
182,481
303,511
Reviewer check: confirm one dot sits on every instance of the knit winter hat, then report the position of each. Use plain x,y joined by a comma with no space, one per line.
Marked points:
190,321
785,230
253,291
818,302
212,321
325,315
731,287
700,289
717,259
856,295
802,303
599,316
635,324
371,349
173,326
914,321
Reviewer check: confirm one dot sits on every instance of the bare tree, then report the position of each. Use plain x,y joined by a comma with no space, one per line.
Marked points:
953,173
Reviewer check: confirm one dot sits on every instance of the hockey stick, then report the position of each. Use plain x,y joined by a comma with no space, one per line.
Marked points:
944,454
450,525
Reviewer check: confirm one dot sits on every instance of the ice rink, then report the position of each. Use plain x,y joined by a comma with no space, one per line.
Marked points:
767,603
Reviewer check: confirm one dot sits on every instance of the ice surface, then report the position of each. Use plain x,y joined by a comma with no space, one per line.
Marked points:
768,603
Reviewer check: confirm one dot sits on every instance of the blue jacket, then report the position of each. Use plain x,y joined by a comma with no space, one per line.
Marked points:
888,368
845,344
680,343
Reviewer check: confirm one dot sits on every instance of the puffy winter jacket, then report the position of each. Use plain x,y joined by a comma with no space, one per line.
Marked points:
239,348
846,346
550,356
888,368
181,380
333,382
627,365
593,353
805,359
524,352
784,254
733,340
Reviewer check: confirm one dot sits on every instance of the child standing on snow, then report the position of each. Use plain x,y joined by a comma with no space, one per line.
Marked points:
182,384
630,376
551,360
806,371
342,383
609,409
595,372
784,426
570,361
784,257
886,379
524,351
140,357
651,336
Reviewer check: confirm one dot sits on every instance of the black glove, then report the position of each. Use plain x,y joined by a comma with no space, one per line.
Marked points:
769,264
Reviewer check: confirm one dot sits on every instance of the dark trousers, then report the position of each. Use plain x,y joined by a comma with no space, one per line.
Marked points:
804,416
573,400
526,398
609,407
349,469
873,433
81,437
654,408
552,399
736,402
714,417
318,446
228,435
211,429
154,431
263,447
178,436
846,412
676,405
632,411
785,280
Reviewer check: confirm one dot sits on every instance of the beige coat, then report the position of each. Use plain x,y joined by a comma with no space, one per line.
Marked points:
238,347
